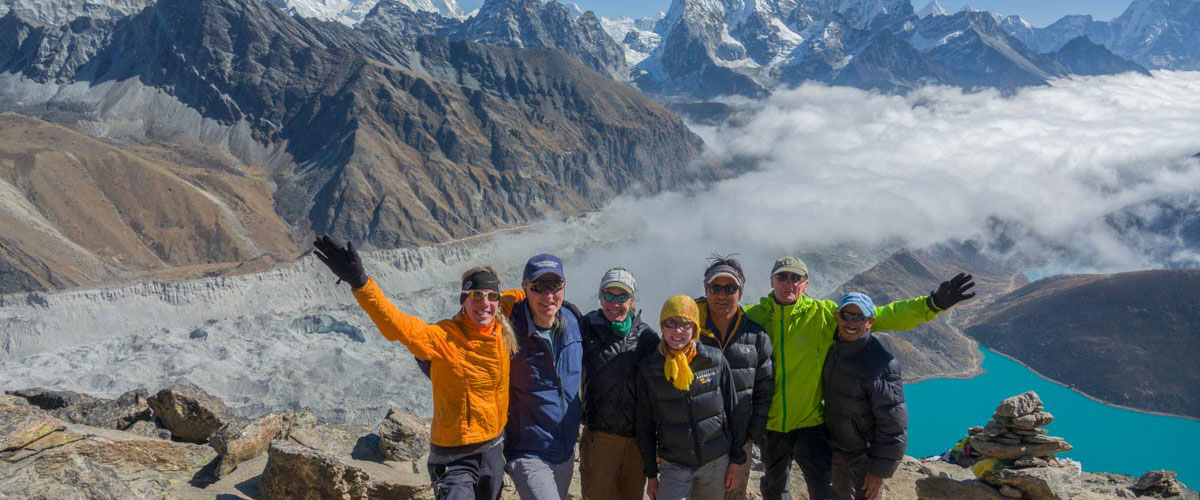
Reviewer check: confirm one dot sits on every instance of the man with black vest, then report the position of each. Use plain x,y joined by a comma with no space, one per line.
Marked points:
745,345
615,339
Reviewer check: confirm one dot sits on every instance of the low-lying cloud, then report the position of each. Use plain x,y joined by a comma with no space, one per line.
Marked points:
1074,171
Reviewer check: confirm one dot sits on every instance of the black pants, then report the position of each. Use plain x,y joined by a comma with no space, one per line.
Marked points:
809,447
850,474
473,477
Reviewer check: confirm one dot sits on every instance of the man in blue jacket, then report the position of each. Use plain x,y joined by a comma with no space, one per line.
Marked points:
544,405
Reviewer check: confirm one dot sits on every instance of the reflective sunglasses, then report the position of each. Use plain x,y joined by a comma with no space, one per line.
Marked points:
546,286
790,278
483,294
850,317
618,298
721,289
678,325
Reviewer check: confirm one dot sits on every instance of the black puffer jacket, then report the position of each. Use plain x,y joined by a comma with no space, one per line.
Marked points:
864,403
610,373
690,427
748,351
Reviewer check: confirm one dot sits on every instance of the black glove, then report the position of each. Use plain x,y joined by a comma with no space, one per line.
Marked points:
952,292
344,262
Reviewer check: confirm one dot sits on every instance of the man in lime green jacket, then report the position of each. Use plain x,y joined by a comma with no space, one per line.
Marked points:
802,331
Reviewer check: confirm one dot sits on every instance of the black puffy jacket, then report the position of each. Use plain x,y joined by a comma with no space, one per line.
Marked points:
864,403
610,373
748,351
691,427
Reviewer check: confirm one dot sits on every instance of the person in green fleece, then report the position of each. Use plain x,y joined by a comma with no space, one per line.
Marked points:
802,331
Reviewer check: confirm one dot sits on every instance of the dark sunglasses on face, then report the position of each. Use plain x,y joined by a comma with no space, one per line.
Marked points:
546,286
790,278
850,317
618,298
721,289
483,294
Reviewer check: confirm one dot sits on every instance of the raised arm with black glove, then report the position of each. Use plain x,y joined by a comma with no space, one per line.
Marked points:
952,292
343,261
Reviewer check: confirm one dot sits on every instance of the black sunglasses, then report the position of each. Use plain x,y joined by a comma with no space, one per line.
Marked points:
619,298
850,317
546,286
721,289
790,278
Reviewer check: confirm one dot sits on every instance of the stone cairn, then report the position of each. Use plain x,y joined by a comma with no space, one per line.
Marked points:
1016,432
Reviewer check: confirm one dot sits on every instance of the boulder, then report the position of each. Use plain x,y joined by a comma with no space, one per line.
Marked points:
1032,421
21,424
1039,439
1019,405
1041,483
1030,462
48,399
1015,451
120,413
938,468
239,441
297,472
149,429
940,488
403,437
190,414
1158,482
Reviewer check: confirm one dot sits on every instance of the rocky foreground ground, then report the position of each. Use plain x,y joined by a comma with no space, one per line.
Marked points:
182,443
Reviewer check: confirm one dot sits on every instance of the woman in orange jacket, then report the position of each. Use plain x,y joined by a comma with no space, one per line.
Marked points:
469,361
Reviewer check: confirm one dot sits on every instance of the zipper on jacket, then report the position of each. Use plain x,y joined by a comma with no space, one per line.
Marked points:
783,364
468,396
695,430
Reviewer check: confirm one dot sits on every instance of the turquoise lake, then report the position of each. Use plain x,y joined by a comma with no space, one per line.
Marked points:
1106,438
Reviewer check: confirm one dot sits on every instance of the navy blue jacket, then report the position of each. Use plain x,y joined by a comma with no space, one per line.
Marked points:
544,407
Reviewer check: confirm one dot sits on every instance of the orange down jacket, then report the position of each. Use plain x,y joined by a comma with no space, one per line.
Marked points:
468,367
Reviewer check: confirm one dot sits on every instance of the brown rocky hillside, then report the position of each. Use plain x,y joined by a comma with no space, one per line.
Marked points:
1128,338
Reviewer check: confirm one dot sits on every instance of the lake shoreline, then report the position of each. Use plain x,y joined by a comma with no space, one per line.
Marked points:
980,371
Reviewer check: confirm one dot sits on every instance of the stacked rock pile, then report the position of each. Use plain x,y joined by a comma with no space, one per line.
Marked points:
1016,432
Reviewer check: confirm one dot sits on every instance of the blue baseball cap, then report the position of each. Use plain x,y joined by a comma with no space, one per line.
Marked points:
542,264
861,300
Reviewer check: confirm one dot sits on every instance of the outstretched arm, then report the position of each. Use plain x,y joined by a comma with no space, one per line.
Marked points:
907,314
425,341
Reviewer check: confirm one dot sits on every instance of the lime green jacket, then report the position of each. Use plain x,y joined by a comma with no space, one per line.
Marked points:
801,335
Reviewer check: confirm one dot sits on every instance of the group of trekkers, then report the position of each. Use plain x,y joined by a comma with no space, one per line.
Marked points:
516,372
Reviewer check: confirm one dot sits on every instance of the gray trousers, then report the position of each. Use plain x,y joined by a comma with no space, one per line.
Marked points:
537,479
679,482
849,474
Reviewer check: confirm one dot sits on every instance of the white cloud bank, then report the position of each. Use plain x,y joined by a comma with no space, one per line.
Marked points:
849,169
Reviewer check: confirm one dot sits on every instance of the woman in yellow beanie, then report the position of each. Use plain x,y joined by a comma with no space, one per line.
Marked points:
685,405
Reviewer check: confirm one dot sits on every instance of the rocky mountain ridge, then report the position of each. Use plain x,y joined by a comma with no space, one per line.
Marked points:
365,135
182,443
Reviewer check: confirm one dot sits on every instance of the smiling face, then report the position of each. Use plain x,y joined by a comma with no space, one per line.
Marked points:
788,287
545,297
479,307
614,310
852,324
678,332
720,302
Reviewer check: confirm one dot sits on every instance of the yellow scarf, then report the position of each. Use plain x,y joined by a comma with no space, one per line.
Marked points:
678,368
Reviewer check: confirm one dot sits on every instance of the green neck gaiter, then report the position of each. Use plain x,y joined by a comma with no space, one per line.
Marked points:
621,328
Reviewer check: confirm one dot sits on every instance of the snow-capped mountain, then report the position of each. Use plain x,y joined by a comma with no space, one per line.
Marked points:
351,12
715,47
1155,33
933,8
637,36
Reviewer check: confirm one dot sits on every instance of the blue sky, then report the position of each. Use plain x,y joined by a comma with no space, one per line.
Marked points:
1038,12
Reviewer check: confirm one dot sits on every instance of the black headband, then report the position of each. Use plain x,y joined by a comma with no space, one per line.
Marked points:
481,280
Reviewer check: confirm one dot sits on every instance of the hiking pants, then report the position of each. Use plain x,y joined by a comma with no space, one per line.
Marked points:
739,493
610,467
680,482
809,448
849,474
537,479
473,477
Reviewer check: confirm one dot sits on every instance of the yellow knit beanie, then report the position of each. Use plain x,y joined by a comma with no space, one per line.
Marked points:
677,367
